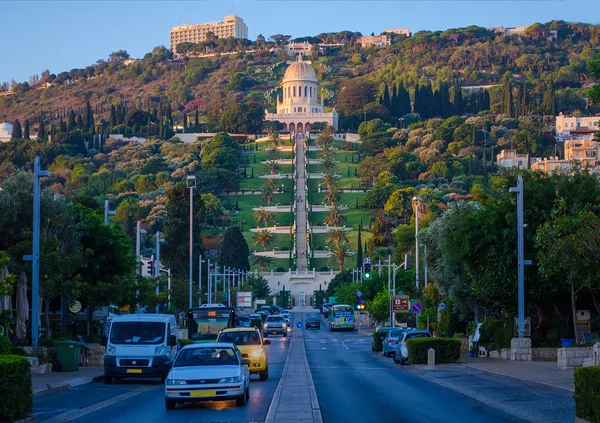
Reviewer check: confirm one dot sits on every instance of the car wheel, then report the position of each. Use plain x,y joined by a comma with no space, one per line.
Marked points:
170,404
241,400
264,375
395,359
108,379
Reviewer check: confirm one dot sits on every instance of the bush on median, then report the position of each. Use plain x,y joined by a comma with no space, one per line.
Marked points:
184,341
378,341
258,323
587,393
446,350
15,388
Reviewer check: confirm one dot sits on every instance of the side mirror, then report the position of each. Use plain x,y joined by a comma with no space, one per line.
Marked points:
266,341
172,340
245,362
169,365
104,340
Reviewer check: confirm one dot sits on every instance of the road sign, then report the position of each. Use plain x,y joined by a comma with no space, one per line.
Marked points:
361,301
400,292
75,308
359,294
417,307
367,260
400,304
443,306
299,325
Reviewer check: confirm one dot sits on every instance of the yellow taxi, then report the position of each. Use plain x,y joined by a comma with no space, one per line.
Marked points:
252,346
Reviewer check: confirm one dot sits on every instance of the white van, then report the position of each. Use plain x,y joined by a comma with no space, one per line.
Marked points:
139,345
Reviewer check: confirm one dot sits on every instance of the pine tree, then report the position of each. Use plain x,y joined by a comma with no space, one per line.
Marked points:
42,131
17,132
26,130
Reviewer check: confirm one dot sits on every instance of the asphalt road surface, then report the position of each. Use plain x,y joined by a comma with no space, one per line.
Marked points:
143,401
354,384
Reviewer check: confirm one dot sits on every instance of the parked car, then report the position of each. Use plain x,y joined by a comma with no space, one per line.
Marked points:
391,340
401,353
382,334
252,346
313,322
208,372
275,325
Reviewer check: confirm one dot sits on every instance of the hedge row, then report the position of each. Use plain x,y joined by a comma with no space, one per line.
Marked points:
378,338
587,393
446,350
15,388
184,341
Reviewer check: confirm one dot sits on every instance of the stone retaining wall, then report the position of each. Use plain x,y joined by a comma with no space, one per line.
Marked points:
571,357
520,349
544,354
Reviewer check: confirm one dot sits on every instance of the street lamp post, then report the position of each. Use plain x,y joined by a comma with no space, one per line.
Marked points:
200,261
208,283
159,240
35,254
191,184
417,201
107,212
138,233
521,256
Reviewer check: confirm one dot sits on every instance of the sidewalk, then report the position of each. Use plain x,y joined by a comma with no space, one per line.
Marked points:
59,381
538,372
299,404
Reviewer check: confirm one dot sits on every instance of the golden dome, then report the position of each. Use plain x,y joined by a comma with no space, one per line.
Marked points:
300,71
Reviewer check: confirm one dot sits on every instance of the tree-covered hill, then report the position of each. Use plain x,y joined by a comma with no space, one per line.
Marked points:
534,61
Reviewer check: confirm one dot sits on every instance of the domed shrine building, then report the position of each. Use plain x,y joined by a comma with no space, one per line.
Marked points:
299,106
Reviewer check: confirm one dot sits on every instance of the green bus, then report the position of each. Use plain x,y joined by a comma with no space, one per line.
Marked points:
341,317
204,323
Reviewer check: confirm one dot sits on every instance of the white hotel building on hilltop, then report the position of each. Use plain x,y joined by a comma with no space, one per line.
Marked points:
231,26
299,106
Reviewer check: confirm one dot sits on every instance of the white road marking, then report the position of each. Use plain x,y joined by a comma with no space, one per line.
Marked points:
345,346
70,416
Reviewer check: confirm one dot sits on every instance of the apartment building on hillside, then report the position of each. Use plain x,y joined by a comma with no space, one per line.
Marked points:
375,40
231,26
576,127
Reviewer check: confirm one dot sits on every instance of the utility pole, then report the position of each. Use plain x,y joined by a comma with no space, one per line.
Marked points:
191,183
107,213
521,256
208,283
417,201
35,254
200,261
389,264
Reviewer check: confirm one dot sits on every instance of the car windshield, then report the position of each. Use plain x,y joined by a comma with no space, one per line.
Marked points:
137,333
394,334
207,356
250,337
274,319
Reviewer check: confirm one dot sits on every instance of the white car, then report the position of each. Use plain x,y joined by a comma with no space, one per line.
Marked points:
208,372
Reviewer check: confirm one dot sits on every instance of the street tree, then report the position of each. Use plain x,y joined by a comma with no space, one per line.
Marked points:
335,216
267,190
261,261
263,215
259,285
233,250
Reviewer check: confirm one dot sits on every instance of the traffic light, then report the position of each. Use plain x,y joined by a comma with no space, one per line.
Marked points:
367,269
150,266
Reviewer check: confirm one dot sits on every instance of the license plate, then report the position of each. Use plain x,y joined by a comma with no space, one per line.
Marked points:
203,394
274,332
138,371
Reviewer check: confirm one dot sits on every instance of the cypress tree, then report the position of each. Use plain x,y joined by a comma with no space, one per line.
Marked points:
113,116
359,250
507,99
524,108
196,120
89,117
26,130
458,104
17,132
42,131
184,122
63,126
386,97
79,122
403,106
71,120
549,99
417,101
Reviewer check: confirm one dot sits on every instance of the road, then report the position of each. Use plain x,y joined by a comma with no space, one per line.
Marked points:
355,384
137,401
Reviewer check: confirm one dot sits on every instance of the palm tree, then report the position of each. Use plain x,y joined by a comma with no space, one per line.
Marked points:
335,216
327,151
328,164
264,238
274,139
268,190
273,153
272,166
381,253
330,181
337,236
333,195
338,254
325,138
263,215
261,261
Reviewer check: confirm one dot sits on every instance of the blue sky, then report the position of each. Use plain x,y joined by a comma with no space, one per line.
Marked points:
62,35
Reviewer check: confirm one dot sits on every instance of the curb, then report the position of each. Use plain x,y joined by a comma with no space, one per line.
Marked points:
561,389
62,387
270,418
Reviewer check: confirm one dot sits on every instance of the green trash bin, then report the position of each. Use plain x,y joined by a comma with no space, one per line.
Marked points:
68,355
